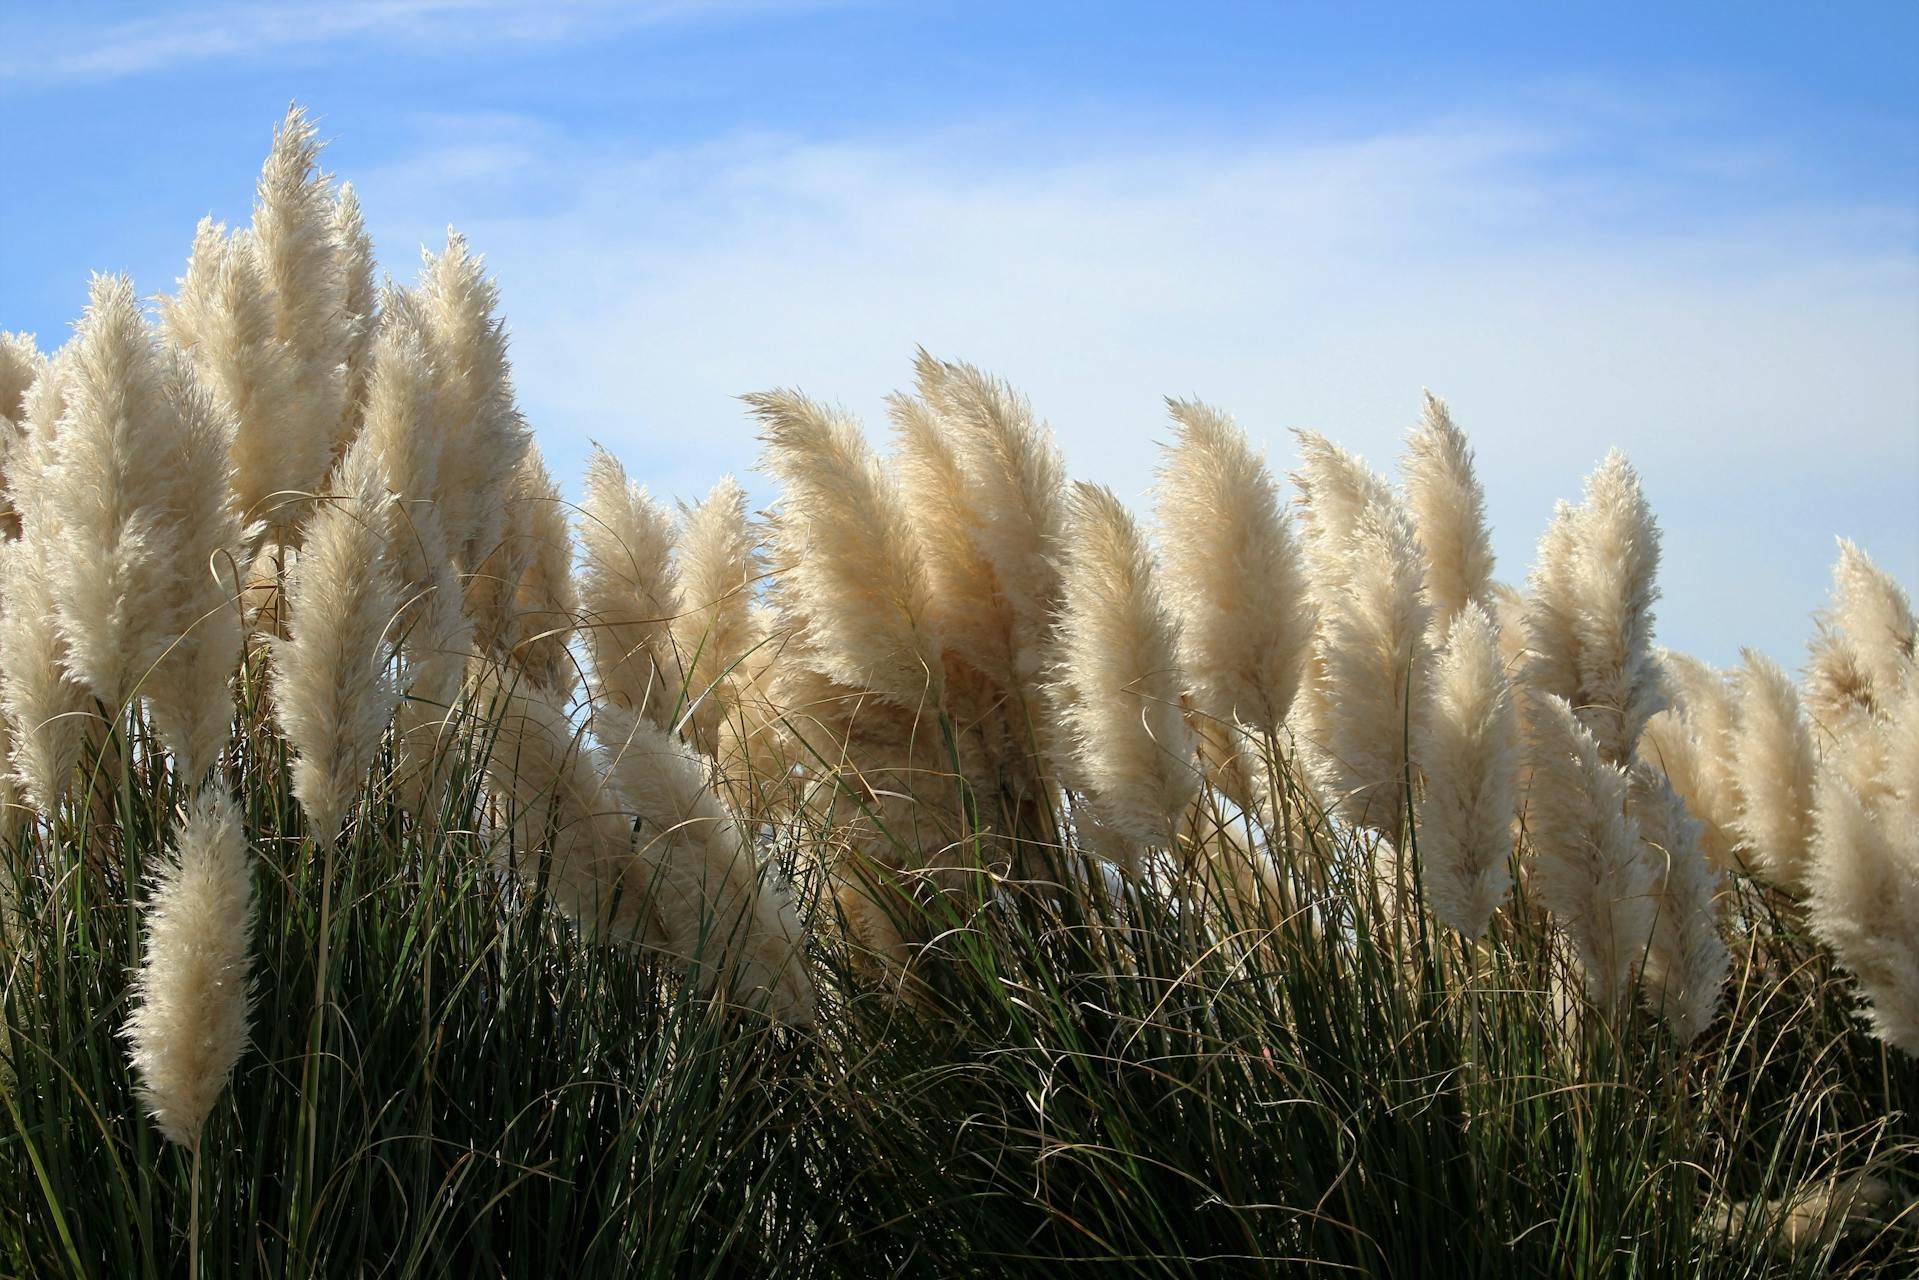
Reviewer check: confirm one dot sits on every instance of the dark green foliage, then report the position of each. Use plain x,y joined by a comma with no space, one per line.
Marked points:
1062,1080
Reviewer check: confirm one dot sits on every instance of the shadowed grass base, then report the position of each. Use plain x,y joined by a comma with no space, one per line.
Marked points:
1059,1080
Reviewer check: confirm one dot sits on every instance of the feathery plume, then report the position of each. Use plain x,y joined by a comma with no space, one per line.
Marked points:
1551,663
847,553
1336,488
1588,867
403,439
972,616
47,709
1686,961
1119,675
559,799
114,562
1469,756
296,243
1366,703
1772,766
1691,743
522,598
360,301
716,570
224,319
1017,479
480,432
1863,899
718,910
189,1024
332,695
20,364
627,593
190,687
1591,618
1613,591
1862,655
1233,574
1509,613
1449,512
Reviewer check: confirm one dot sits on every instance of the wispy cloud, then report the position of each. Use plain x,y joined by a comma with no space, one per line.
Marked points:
1750,366
43,49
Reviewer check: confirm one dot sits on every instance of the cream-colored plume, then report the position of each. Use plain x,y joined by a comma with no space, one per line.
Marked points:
296,239
1233,575
1686,960
1863,882
20,363
627,594
332,694
717,569
846,554
718,910
190,688
135,482
1448,508
568,829
1589,868
1469,758
1118,675
223,319
191,999
1862,655
1592,591
479,430
1017,480
1772,765
972,616
1366,703
1691,741
403,439
361,302
523,600
46,707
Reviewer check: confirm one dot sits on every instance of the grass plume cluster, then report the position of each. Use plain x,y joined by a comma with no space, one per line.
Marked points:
946,871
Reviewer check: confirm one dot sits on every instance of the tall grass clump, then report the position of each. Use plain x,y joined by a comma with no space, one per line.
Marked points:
942,872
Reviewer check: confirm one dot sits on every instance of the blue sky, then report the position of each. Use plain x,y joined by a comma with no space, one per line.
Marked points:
1691,231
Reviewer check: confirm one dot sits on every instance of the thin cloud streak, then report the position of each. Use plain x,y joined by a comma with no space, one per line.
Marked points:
46,54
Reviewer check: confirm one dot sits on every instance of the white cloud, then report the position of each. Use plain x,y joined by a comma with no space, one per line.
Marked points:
45,51
1761,371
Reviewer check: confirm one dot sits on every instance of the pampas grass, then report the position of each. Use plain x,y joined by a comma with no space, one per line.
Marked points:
719,911
1232,572
1448,507
1469,756
1863,883
717,568
851,578
1368,696
189,1024
1588,868
1016,478
926,873
628,593
1686,961
1593,590
1118,675
1772,763
332,694
1691,742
